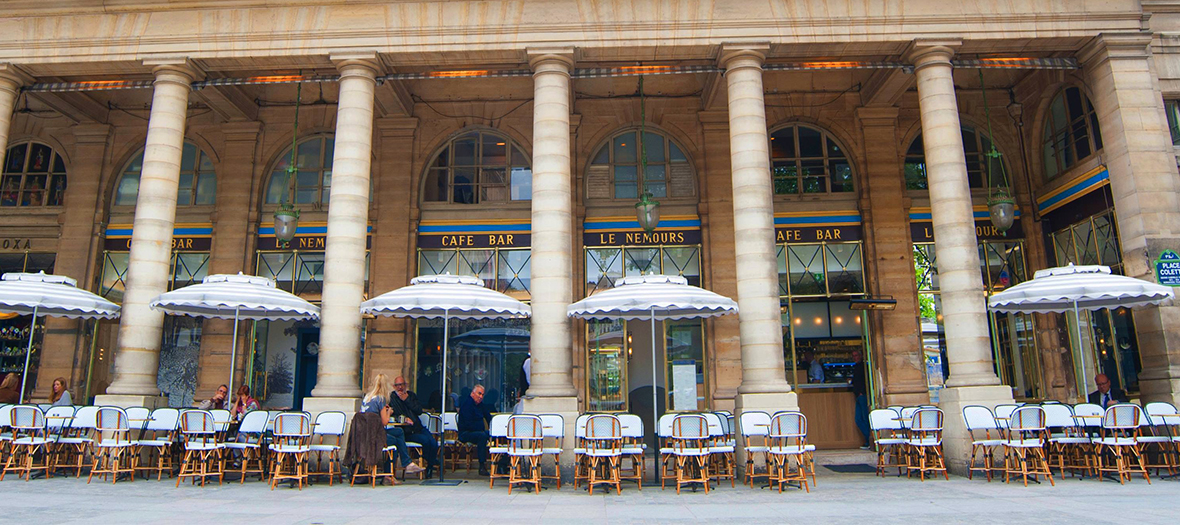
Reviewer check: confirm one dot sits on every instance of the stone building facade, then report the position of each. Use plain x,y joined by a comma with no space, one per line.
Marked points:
804,153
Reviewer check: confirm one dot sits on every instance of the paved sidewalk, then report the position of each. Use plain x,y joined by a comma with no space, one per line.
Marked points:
839,498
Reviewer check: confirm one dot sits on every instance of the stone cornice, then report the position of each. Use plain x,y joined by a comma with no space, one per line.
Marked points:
1115,46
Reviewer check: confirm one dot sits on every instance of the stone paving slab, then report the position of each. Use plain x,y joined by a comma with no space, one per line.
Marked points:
838,498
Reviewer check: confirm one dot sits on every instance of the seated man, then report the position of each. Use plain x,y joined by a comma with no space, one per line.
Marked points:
217,401
472,416
376,401
1106,396
404,403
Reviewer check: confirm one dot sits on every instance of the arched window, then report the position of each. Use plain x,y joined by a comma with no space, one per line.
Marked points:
313,178
614,172
479,167
1071,131
975,147
808,160
198,183
33,176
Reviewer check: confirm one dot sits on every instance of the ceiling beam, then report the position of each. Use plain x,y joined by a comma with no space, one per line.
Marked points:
886,87
714,95
393,99
78,107
230,102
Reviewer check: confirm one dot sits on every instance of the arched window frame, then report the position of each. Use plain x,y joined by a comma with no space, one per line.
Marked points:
198,179
25,184
1071,132
824,171
313,180
485,175
613,170
976,144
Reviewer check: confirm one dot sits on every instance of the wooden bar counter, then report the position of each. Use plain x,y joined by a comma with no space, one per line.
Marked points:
830,411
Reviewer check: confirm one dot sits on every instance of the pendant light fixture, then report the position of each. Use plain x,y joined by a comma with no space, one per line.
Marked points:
647,210
286,217
1001,205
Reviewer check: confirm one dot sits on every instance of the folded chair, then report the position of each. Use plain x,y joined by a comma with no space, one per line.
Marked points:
202,451
788,449
156,442
112,445
1025,445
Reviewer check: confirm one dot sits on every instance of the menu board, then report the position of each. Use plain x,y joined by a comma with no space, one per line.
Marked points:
684,385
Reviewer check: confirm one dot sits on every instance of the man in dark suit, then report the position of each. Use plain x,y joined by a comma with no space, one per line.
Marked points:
1106,396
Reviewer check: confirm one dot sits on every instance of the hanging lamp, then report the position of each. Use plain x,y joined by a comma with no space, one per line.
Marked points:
647,210
1001,206
286,217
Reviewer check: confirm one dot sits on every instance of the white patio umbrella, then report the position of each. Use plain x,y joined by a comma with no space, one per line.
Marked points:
445,296
237,297
40,294
1077,288
653,297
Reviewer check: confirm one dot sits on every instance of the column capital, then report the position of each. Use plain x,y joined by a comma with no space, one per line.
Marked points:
173,69
12,77
356,63
877,115
397,127
91,133
924,52
1108,46
745,54
241,131
551,59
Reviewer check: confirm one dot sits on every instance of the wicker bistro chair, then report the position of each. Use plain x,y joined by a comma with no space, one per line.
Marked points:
497,446
788,449
138,418
755,428
57,424
553,428
156,441
1027,436
112,445
457,451
202,451
690,449
5,431
30,440
526,440
985,439
604,449
633,448
71,446
1155,439
1166,422
887,434
327,432
581,462
721,453
1119,443
290,446
1069,448
925,444
667,461
248,446
222,419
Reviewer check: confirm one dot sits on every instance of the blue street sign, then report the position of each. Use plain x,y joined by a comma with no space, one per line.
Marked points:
1167,268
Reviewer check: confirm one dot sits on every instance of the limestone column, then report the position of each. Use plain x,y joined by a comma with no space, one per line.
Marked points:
1143,180
898,348
764,384
972,375
552,220
10,82
348,218
137,355
229,254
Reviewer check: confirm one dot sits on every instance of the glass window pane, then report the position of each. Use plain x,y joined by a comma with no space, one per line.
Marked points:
684,341
279,267
656,172
602,157
57,191
674,154
128,189
607,366
329,151
654,144
276,189
810,142
184,191
925,268
806,265
624,146
495,151
657,189
841,176
782,143
40,158
465,150
1109,252
189,269
15,162
478,263
206,163
522,184
40,262
604,266
513,273
437,262
845,274
309,276
188,157
641,261
785,175
519,159
833,148
463,190
684,261
12,262
625,173
206,188
435,189
308,157
113,271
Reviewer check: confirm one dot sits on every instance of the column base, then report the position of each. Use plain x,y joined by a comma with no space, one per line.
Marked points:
128,401
766,402
567,408
956,441
1164,389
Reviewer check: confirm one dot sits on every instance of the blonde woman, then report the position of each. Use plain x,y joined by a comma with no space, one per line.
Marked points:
376,401
9,389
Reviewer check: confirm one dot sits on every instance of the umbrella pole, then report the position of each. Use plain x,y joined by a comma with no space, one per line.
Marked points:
655,407
1081,355
28,354
442,452
233,353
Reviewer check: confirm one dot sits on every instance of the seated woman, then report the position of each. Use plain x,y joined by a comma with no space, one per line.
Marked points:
61,393
10,389
243,403
376,401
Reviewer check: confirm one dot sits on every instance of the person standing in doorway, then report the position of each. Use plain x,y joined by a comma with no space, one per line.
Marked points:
860,390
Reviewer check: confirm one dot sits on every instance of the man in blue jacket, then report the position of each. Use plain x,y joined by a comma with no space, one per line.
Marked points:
472,416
